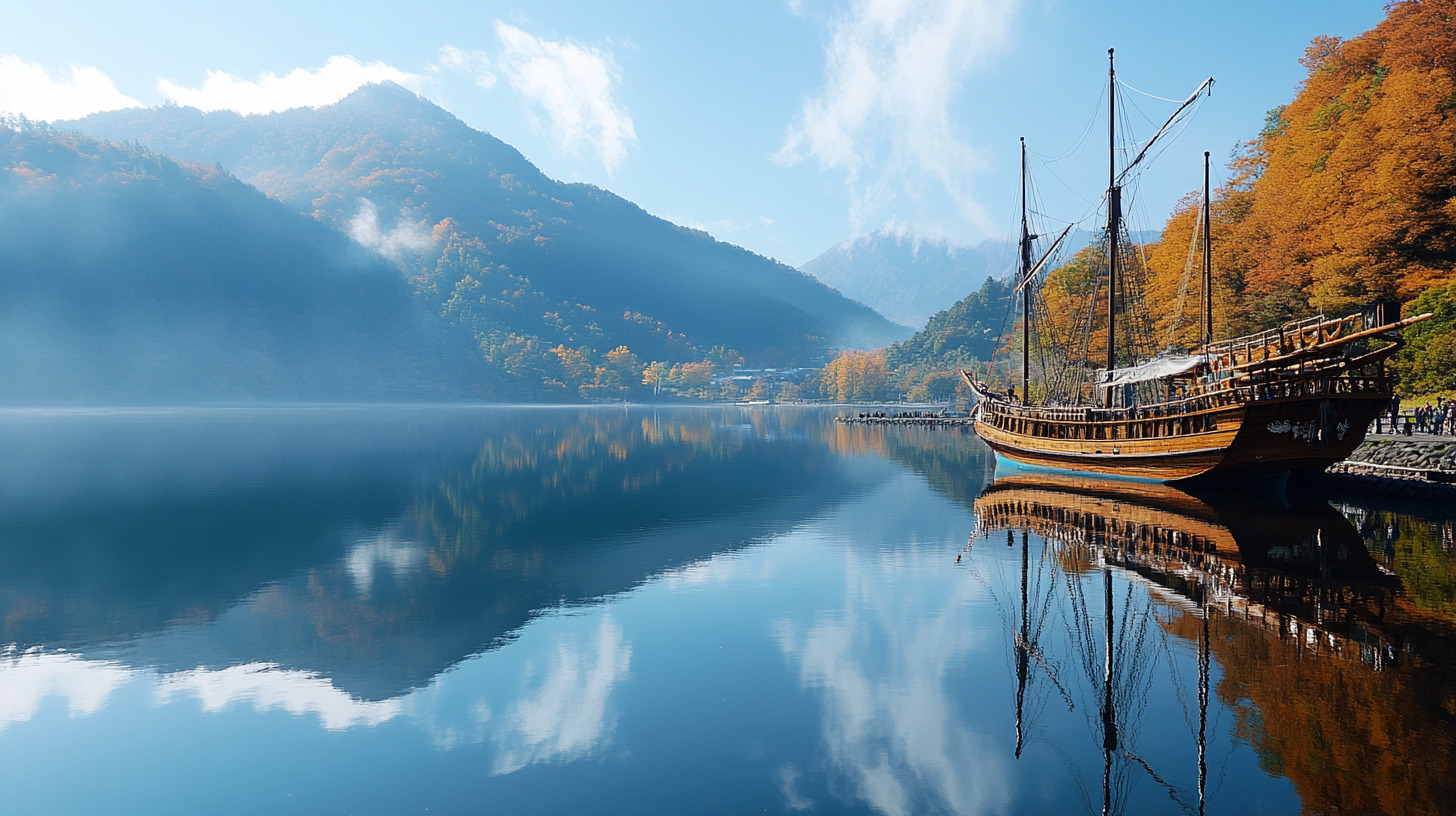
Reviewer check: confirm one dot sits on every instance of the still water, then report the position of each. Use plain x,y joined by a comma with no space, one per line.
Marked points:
324,610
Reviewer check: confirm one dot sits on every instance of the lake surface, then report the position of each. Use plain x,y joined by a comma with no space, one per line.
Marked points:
323,610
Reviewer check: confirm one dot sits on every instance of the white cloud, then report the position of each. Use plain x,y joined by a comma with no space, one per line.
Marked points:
892,70
569,715
571,90
384,551
300,88
28,89
475,64
575,86
28,678
406,238
267,687
718,226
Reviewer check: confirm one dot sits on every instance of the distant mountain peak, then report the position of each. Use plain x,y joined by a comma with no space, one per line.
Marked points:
908,273
916,239
388,99
384,91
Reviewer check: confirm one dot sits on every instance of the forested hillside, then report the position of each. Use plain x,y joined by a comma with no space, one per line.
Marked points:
547,279
1347,195
128,278
923,366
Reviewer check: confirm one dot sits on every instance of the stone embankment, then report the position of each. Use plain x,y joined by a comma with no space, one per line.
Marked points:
1419,467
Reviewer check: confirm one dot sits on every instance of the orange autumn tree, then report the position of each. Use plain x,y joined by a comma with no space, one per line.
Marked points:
1346,196
856,376
1174,269
1351,195
1175,277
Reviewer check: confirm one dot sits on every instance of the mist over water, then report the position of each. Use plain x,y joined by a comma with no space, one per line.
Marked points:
382,609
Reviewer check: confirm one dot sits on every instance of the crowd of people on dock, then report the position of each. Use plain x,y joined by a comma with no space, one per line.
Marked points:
1436,419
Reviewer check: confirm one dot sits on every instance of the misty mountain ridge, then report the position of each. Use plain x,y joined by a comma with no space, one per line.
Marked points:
908,276
519,262
130,279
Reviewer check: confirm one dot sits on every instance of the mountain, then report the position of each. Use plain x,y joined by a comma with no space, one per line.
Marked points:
970,330
129,278
522,264
908,277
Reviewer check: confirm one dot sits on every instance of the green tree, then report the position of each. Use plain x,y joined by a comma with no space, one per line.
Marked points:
1428,361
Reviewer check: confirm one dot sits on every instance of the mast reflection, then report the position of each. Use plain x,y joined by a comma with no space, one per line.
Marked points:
1258,585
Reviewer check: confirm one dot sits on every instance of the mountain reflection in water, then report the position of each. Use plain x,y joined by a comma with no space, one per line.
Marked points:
1333,675
367,550
696,609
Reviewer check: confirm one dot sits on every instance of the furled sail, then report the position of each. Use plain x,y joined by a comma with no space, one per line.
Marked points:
1154,369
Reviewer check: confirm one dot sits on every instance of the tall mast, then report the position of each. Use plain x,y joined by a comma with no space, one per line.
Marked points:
1109,714
1025,287
1207,261
1023,648
1203,646
1114,205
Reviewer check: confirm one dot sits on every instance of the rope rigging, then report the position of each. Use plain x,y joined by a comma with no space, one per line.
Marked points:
1179,311
1066,318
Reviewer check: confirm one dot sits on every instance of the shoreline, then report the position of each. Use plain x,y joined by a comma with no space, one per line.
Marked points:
1420,466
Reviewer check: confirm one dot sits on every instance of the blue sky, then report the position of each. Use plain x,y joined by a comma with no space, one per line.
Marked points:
784,126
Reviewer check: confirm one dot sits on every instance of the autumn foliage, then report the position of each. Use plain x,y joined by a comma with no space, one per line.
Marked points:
1346,196
1353,200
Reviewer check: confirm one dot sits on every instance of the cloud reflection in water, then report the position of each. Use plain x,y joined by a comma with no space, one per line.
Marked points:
563,708
29,678
880,667
268,688
565,714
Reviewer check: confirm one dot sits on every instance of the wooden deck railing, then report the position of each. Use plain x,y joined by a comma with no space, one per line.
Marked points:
1195,414
1288,338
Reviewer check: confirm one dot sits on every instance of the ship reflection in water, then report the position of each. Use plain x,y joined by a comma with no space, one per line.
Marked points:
1138,601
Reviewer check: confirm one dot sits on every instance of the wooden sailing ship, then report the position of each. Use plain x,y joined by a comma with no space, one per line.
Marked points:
1290,400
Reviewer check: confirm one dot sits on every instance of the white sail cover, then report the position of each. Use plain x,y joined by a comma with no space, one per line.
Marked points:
1154,369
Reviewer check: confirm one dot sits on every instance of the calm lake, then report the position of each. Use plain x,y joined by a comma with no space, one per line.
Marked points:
464,610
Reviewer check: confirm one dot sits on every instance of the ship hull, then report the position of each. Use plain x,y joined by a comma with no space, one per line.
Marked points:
1244,438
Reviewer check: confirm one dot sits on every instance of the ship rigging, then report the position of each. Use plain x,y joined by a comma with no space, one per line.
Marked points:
1288,400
